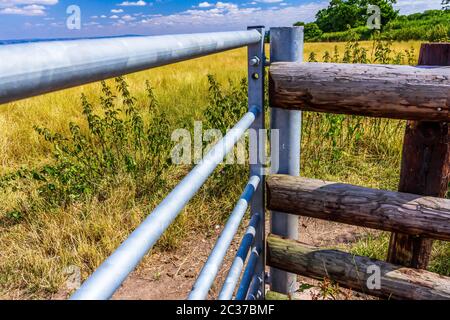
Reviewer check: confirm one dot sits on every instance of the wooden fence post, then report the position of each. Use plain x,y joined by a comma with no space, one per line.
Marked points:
425,167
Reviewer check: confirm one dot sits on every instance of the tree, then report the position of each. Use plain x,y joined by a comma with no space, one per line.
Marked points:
311,30
388,13
338,15
343,13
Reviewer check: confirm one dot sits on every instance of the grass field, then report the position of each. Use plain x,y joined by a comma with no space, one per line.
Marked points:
38,242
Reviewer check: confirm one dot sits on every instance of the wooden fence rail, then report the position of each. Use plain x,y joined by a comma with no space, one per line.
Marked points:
418,213
377,209
396,282
389,91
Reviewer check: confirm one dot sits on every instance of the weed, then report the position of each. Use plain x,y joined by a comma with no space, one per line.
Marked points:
312,57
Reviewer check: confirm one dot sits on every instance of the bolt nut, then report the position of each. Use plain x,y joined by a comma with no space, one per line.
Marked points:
255,61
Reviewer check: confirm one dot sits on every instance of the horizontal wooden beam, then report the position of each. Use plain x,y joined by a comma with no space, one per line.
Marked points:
387,91
356,272
377,209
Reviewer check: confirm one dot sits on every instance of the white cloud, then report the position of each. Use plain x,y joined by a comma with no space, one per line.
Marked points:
269,1
226,5
114,17
412,6
127,17
223,16
117,10
92,23
30,10
228,16
218,5
25,7
139,3
205,4
16,3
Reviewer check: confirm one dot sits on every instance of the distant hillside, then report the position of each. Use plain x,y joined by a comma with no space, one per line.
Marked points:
14,41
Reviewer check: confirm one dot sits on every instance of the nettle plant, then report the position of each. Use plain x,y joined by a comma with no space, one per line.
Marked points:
119,141
225,108
382,52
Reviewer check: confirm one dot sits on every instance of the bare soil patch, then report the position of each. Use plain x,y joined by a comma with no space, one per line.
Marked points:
171,275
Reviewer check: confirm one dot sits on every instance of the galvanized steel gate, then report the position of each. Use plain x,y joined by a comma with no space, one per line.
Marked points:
35,68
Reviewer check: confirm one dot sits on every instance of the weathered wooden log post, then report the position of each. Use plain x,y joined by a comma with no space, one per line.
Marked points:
425,167
286,44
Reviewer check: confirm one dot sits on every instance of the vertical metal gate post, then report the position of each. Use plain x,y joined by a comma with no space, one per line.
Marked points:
256,61
286,44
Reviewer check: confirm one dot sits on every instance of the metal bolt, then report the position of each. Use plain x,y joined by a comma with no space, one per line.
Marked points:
439,109
255,61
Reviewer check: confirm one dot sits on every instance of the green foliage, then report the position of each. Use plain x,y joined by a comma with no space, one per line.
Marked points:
431,25
312,31
411,56
376,247
362,33
312,57
326,57
381,53
420,26
388,13
338,15
438,33
336,55
440,258
342,13
226,107
354,53
372,246
118,141
383,50
399,58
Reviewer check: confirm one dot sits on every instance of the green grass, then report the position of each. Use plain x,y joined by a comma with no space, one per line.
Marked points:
376,247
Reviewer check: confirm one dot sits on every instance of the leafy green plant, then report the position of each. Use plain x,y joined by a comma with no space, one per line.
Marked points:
326,57
399,58
439,33
226,107
411,56
312,57
119,140
382,51
336,54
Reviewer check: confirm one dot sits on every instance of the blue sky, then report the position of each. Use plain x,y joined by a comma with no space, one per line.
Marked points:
21,19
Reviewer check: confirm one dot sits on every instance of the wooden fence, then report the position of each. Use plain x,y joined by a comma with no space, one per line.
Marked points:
416,214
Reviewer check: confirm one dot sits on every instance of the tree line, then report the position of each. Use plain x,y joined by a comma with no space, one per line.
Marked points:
343,19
